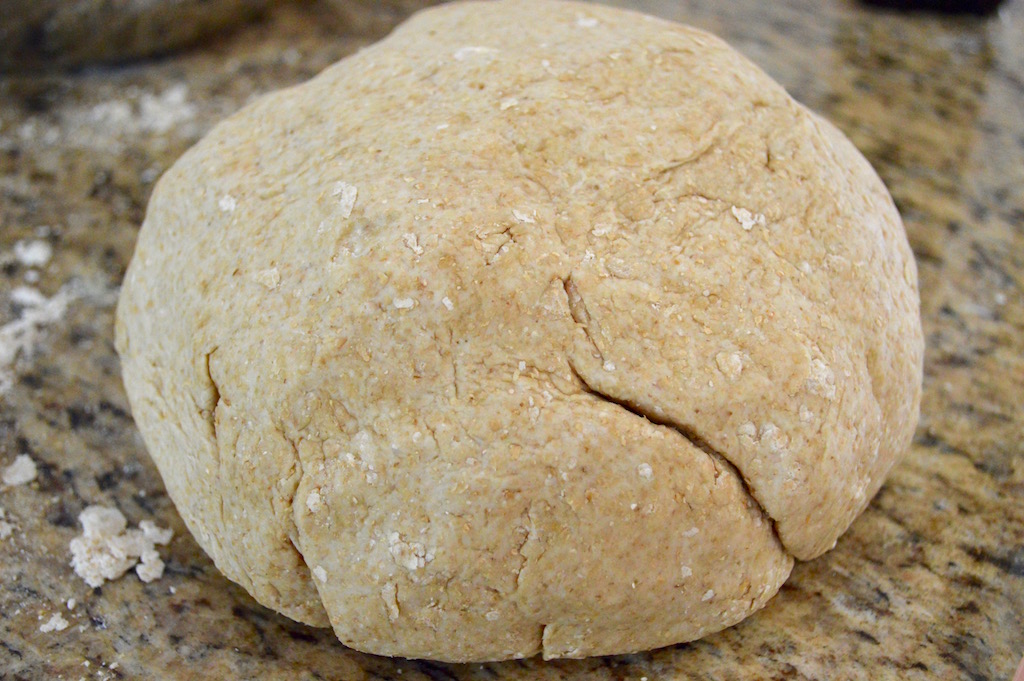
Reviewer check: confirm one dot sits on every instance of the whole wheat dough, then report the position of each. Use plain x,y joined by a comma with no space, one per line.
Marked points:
538,327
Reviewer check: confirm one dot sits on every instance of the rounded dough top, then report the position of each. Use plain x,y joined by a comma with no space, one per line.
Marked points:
535,327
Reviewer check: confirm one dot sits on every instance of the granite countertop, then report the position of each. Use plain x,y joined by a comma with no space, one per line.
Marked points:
927,584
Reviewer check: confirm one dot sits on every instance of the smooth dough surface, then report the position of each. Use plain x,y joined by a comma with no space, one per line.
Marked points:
537,327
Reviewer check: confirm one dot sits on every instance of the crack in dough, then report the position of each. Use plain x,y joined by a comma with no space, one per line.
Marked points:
721,461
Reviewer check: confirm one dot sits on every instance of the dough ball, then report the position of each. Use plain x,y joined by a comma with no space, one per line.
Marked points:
537,327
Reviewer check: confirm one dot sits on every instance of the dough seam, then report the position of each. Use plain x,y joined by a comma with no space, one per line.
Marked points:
293,535
209,410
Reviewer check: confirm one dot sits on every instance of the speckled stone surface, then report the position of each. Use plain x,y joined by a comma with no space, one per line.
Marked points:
36,34
927,584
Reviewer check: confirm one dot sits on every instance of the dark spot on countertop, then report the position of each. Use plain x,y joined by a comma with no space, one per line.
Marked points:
303,636
108,480
863,635
61,516
10,649
79,416
967,652
968,608
435,671
1009,559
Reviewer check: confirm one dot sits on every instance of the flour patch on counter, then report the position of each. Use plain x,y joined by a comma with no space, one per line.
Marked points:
21,471
110,124
55,623
161,112
20,338
107,549
33,253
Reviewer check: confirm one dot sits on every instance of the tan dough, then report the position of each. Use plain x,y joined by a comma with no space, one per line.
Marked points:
537,327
